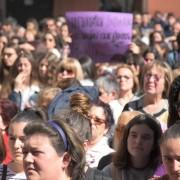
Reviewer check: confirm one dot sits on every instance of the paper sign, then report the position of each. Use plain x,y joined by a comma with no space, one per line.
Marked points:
101,35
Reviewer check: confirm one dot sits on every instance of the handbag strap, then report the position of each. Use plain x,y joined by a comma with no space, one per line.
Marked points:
4,173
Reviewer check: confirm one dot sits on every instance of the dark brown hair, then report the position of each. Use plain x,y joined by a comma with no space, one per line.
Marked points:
121,158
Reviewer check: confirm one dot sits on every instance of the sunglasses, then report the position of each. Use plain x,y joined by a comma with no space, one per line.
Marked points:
61,70
96,120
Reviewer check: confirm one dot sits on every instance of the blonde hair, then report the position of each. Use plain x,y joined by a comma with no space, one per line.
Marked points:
135,77
176,73
166,69
124,118
80,102
74,65
46,95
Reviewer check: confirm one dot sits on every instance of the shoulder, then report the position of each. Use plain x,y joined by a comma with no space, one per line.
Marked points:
104,161
18,176
35,87
94,174
9,174
166,104
113,172
165,177
108,170
103,146
134,105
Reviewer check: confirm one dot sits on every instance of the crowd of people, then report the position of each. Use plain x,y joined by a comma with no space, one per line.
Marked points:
64,118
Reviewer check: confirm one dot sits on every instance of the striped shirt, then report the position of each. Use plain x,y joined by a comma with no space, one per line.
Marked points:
11,175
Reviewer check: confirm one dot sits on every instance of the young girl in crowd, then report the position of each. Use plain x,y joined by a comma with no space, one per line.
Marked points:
46,69
170,150
14,169
26,86
138,154
7,66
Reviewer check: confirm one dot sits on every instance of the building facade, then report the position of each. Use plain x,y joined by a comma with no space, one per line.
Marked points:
24,9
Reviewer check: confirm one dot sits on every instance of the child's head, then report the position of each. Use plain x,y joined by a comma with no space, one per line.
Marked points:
170,151
123,120
139,141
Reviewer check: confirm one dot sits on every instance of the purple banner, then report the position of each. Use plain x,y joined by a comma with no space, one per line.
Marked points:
101,35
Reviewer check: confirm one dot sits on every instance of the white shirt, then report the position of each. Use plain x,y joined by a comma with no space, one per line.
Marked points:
11,175
94,154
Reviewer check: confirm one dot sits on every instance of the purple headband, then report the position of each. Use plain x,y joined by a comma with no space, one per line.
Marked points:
56,126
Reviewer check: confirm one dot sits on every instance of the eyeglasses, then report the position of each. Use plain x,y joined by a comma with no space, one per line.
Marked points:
96,120
154,76
61,70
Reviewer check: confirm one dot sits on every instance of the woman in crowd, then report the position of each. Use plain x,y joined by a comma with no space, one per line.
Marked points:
69,70
108,88
26,86
128,84
60,157
138,154
157,78
52,44
32,26
47,69
14,169
7,66
174,102
81,125
89,71
149,56
65,39
8,109
124,118
158,44
101,120
65,34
